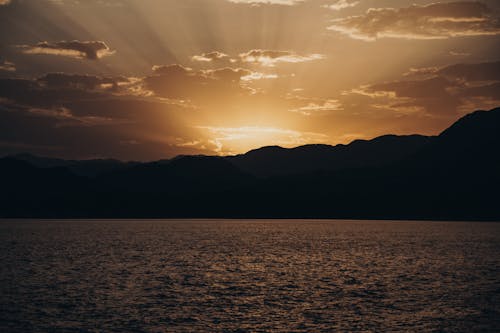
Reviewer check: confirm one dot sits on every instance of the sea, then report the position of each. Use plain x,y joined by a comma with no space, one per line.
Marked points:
249,276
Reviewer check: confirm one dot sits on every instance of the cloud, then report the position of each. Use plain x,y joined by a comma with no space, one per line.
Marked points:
7,66
434,95
72,132
341,4
210,57
88,82
486,71
313,106
72,115
433,21
421,71
179,82
435,91
488,91
319,108
174,81
267,58
227,74
268,2
104,3
459,54
236,75
66,118
56,90
172,70
36,93
91,50
270,58
435,86
472,72
254,76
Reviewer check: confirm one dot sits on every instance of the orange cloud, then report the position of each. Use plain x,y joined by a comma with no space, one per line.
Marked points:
268,2
313,106
270,58
434,21
91,50
210,56
7,66
342,4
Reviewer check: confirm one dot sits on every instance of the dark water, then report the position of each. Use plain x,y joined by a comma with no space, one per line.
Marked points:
249,276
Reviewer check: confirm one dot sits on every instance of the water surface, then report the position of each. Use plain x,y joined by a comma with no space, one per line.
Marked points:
249,276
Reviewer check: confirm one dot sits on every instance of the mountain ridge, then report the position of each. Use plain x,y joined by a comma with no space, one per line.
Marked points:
454,175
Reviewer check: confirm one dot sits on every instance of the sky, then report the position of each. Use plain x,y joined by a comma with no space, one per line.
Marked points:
152,79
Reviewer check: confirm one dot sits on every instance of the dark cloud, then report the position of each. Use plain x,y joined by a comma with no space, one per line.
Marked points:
175,81
71,115
179,82
489,91
89,82
62,133
434,95
436,86
91,50
441,91
487,71
7,66
67,112
52,90
433,21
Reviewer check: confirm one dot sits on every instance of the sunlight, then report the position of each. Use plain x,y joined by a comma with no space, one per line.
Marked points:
232,140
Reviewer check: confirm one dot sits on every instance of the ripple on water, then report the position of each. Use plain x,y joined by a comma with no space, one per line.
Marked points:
249,276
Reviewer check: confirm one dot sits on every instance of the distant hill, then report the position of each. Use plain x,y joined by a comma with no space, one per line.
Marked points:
274,161
180,175
453,176
89,168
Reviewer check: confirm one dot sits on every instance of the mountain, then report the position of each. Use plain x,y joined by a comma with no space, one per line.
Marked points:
453,176
472,141
20,176
87,168
28,191
274,161
179,175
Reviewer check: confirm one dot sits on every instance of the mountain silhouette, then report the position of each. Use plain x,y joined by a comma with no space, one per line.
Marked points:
452,176
274,160
89,168
179,175
472,141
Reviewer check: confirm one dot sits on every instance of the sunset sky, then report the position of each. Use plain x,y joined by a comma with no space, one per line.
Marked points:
152,79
